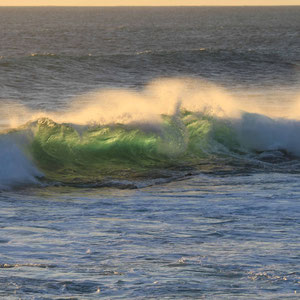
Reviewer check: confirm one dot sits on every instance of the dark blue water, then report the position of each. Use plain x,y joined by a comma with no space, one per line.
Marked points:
186,188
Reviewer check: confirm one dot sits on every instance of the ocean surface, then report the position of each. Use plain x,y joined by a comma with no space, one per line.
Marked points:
150,153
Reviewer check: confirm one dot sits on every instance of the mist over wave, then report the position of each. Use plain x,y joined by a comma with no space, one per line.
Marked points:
159,97
171,125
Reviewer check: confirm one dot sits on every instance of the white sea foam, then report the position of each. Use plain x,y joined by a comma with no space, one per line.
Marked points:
16,167
262,133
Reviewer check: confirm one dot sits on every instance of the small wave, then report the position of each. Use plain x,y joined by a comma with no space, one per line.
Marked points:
144,52
271,276
42,54
10,266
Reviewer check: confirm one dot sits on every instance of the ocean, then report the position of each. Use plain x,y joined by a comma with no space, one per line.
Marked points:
149,153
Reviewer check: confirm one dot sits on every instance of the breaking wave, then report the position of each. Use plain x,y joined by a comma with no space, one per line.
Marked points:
128,139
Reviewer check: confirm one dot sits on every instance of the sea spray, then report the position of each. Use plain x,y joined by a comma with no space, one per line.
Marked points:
147,105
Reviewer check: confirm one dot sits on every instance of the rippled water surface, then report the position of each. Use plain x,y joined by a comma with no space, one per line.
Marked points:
202,237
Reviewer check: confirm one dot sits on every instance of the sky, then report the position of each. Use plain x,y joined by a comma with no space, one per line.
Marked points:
144,2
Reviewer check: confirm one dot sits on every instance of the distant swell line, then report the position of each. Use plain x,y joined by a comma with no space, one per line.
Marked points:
249,55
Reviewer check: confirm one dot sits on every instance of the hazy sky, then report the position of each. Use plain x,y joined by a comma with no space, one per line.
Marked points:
144,2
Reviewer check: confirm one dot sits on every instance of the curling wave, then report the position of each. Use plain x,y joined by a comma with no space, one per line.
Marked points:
171,129
186,142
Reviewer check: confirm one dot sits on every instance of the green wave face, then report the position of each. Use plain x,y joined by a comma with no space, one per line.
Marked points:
209,136
88,154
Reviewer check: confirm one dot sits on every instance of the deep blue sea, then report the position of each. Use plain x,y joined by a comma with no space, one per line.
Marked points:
150,153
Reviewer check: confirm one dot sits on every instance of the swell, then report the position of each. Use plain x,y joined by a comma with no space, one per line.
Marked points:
178,56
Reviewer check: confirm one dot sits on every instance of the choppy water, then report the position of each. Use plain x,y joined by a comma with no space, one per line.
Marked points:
149,153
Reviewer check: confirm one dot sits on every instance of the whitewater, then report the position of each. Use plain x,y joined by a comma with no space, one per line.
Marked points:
149,153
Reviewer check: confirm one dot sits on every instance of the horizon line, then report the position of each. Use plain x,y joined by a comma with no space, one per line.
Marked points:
266,5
